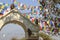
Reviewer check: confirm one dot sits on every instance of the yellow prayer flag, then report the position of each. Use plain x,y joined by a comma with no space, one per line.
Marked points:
40,8
51,29
28,16
0,10
2,6
44,27
48,22
38,23
6,4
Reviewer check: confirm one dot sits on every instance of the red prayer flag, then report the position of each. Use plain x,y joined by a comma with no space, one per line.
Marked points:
36,12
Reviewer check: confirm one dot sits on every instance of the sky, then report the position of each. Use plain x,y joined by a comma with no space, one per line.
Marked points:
27,2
